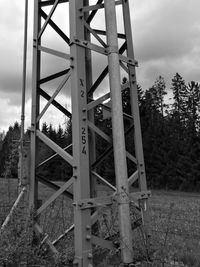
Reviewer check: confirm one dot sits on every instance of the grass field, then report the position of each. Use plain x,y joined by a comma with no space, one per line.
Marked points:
174,224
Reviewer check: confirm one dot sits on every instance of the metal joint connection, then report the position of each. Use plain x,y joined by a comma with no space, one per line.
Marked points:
32,129
121,198
112,49
78,42
35,43
75,40
93,203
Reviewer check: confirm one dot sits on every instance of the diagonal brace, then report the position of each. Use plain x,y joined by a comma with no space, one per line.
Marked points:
48,18
61,152
53,96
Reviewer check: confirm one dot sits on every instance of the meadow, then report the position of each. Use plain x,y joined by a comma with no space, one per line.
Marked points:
174,229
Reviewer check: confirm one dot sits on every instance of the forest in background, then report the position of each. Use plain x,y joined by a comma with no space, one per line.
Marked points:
170,130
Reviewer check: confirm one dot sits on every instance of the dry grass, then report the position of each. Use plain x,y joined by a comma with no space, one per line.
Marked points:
175,226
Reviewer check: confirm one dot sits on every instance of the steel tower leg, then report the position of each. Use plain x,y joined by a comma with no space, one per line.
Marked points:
82,220
22,141
33,195
118,132
135,113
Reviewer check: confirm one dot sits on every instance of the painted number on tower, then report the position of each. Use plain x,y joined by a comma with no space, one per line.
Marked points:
82,85
83,129
83,139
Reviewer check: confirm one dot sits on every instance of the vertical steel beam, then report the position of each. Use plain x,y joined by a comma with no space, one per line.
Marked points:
134,98
135,112
33,195
82,218
118,133
89,82
23,95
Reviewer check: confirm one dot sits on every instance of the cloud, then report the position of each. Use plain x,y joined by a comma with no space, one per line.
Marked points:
11,9
166,35
8,115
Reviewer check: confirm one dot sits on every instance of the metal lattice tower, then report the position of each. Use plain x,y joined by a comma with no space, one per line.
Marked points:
83,42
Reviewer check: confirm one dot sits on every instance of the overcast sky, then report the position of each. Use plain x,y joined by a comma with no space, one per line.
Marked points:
166,38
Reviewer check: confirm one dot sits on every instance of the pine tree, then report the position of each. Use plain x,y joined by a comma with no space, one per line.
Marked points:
158,92
193,106
2,136
179,94
60,136
52,133
45,128
9,152
179,108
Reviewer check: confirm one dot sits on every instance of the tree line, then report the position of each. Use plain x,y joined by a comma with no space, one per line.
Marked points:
170,130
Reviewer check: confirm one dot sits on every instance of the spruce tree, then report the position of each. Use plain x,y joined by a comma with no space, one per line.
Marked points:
180,94
158,91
